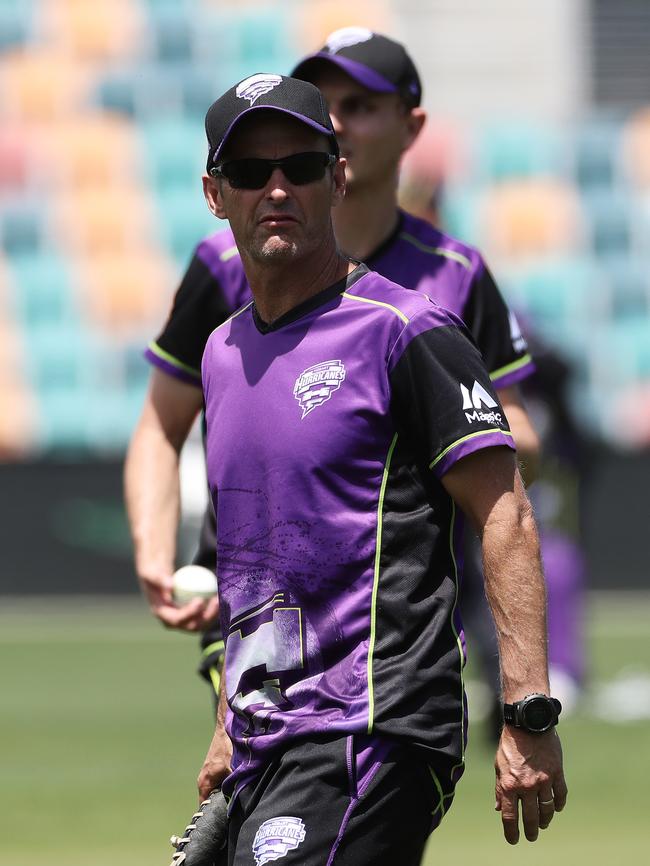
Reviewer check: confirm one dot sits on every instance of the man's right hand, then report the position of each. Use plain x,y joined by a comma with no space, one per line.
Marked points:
217,762
197,615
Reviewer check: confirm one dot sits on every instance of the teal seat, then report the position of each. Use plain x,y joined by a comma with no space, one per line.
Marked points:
57,356
629,283
459,213
562,299
117,93
185,220
43,292
62,419
596,147
609,214
172,31
23,225
16,24
515,150
112,416
629,349
174,152
262,39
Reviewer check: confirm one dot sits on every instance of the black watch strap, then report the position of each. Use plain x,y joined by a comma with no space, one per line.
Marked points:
509,714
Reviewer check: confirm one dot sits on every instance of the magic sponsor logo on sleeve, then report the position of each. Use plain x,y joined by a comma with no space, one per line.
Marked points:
315,385
276,837
476,401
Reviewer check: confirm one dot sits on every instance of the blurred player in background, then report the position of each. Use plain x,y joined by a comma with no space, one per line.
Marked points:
340,454
565,457
373,92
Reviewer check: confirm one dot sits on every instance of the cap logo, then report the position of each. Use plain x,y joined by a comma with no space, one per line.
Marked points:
347,36
257,85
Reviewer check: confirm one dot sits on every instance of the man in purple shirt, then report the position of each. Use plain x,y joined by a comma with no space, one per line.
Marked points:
349,422
373,93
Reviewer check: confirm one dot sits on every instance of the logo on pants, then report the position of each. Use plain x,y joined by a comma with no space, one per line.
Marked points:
276,837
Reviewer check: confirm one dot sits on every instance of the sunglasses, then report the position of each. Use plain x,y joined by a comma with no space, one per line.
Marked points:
299,169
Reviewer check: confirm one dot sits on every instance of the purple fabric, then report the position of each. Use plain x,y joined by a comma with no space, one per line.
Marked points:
172,369
359,71
228,271
564,568
429,261
445,269
300,117
299,429
469,446
514,376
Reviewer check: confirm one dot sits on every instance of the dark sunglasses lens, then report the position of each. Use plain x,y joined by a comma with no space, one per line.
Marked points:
305,167
247,173
299,169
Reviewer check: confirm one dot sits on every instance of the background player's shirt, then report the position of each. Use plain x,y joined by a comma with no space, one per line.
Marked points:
416,256
337,545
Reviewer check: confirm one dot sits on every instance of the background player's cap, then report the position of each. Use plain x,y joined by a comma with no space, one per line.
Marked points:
266,91
377,62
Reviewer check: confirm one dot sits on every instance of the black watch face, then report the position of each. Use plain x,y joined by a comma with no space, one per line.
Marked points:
538,714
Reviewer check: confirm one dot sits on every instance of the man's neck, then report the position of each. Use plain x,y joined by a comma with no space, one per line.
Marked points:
277,289
365,219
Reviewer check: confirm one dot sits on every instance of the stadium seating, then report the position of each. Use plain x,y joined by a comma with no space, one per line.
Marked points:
636,149
42,290
517,150
101,151
596,151
530,217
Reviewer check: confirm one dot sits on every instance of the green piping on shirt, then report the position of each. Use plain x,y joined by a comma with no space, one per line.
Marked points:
228,254
464,439
377,304
510,368
437,251
165,356
375,585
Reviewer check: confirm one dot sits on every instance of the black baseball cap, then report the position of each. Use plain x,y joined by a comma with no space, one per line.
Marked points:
377,62
266,91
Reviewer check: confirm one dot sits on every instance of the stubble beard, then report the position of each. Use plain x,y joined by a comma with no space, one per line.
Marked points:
275,250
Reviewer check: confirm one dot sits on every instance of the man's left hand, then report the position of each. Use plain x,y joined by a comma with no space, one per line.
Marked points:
528,770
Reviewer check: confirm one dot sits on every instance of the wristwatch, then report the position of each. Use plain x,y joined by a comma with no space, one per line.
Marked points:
536,713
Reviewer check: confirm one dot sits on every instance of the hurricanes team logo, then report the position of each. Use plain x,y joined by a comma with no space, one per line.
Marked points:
257,85
316,384
345,37
276,837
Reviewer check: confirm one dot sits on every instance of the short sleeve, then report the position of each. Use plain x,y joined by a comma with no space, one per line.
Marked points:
496,331
441,393
199,307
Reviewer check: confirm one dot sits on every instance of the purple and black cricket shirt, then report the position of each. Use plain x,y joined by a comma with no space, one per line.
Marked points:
416,256
337,546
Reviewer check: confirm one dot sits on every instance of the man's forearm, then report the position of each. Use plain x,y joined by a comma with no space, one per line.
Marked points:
523,433
516,592
153,499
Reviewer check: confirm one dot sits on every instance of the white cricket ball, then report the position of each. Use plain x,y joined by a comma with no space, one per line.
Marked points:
193,581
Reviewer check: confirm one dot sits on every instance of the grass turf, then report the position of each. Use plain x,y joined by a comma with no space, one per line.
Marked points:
103,727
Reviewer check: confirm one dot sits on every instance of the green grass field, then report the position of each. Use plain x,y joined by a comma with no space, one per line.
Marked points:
103,727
